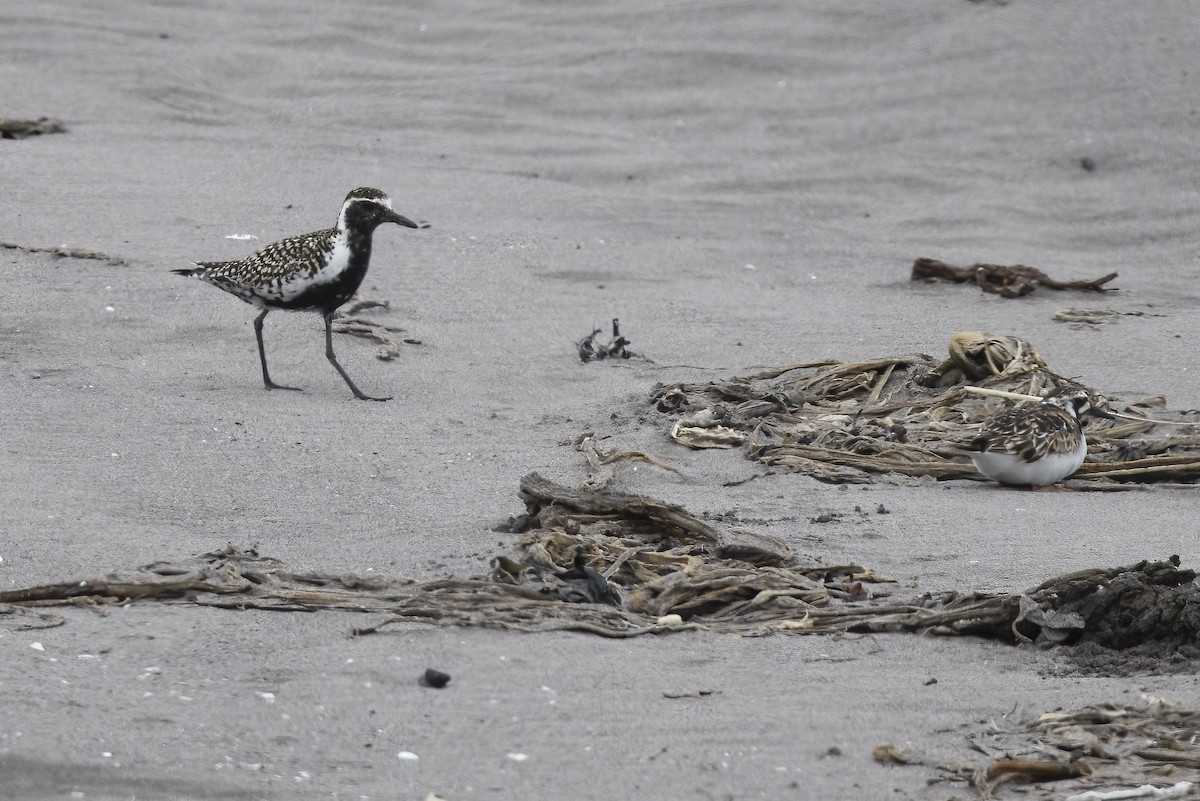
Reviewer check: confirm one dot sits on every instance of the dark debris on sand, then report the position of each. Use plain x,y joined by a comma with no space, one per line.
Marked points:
21,129
64,252
591,349
1003,280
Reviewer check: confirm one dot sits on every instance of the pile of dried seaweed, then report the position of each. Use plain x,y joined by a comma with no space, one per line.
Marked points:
621,565
843,422
1086,754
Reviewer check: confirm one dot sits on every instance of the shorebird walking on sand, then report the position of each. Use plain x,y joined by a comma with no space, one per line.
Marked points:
1035,444
314,272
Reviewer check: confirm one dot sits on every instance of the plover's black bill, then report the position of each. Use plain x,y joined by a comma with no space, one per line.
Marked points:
400,219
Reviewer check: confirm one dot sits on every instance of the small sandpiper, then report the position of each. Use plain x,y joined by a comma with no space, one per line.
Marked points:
1035,444
314,272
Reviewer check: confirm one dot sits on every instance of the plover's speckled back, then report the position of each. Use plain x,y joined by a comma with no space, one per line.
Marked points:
314,272
1034,444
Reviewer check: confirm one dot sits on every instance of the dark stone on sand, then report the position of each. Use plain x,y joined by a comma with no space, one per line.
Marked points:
435,678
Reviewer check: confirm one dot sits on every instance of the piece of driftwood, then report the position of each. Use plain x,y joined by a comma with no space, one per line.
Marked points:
705,430
1003,280
844,422
543,496
602,464
20,129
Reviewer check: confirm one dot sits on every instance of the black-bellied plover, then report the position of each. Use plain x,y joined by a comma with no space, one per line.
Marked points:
314,272
1035,444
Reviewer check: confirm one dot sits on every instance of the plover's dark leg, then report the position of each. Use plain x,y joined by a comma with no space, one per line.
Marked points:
333,360
262,354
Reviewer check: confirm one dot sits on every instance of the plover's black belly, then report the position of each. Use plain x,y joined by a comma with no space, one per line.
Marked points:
324,296
343,267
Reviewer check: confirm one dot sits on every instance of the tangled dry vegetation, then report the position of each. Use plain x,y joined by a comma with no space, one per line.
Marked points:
1061,754
623,565
845,422
619,565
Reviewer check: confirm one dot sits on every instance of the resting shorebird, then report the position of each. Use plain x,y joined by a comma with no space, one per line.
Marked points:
314,272
1034,444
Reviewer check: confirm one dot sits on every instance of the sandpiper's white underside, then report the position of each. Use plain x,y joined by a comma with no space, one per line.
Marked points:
1008,468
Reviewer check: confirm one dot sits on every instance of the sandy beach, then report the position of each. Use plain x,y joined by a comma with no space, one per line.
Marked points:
743,185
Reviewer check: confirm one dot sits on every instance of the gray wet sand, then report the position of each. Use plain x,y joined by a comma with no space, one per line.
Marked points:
744,185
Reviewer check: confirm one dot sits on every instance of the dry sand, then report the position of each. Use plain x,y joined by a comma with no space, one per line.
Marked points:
743,184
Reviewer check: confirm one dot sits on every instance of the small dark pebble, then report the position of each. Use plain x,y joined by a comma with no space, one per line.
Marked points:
930,680
435,678
1087,163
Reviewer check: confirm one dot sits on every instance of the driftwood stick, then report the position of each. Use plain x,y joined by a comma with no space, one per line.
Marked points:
112,589
999,393
539,493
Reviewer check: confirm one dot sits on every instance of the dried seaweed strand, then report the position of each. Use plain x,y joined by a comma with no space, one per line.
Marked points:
64,252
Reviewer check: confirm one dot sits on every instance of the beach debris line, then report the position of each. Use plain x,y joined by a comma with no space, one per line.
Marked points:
619,565
900,418
20,129
1007,281
591,349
